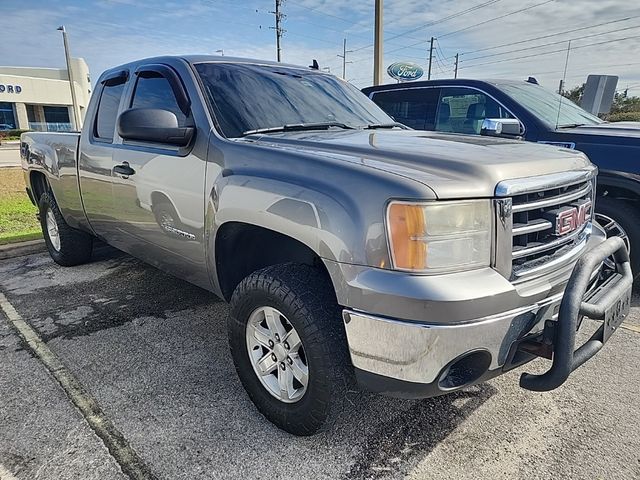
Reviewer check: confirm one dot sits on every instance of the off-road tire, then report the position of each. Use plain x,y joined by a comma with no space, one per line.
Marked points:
306,298
75,245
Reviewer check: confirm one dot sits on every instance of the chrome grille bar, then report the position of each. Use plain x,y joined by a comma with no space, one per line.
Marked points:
557,200
531,227
526,251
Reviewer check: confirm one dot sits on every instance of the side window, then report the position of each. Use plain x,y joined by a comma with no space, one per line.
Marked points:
414,107
462,110
155,92
105,124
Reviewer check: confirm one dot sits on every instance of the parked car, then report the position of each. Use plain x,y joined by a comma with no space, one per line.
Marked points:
350,247
461,106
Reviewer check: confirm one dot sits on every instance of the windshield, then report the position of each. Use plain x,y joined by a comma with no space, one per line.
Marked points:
545,104
248,97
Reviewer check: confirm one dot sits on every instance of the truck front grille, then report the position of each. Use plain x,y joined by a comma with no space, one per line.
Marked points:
549,223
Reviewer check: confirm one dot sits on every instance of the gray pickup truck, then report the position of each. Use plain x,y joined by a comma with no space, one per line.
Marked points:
352,249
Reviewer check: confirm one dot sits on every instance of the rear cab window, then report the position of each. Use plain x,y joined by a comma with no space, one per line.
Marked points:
105,122
414,107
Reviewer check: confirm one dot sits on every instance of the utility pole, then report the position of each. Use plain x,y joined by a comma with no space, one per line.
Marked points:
430,58
344,59
377,45
278,28
74,100
455,71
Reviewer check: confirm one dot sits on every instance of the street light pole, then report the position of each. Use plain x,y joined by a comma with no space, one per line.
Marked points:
74,100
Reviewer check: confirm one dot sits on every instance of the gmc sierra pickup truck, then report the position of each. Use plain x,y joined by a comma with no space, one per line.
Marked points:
351,248
538,115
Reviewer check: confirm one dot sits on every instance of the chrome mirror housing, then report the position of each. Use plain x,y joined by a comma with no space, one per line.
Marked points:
500,127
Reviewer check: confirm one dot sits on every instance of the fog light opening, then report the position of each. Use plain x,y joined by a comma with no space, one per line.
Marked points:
464,370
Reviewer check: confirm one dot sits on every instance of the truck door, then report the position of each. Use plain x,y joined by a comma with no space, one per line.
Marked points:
96,148
158,189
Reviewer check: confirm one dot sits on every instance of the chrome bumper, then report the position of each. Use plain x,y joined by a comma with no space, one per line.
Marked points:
420,352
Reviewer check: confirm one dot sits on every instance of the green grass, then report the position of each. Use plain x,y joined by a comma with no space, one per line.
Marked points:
18,220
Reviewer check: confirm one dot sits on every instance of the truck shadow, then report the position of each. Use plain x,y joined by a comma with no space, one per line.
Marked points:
395,445
153,351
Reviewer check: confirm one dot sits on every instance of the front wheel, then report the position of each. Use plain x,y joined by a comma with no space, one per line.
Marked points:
289,346
621,219
67,246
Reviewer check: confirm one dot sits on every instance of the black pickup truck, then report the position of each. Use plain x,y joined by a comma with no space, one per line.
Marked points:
463,106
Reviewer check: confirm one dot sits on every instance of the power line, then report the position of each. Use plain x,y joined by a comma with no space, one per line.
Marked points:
435,22
552,43
588,67
550,52
549,35
497,18
444,19
421,42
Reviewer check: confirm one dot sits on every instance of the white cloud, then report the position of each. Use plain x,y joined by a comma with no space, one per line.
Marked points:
111,32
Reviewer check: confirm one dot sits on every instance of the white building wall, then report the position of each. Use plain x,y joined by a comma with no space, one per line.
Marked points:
44,86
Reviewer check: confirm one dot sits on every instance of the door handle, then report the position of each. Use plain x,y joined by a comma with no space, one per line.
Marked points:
124,169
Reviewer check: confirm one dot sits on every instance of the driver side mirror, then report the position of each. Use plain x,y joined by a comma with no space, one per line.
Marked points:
153,125
500,127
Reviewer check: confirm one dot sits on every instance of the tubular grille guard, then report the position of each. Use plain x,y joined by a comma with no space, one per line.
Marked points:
566,358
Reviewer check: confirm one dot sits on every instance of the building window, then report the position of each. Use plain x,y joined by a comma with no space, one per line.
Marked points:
31,114
56,114
7,117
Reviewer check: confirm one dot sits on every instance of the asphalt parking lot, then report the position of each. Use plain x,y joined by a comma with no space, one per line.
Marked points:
152,351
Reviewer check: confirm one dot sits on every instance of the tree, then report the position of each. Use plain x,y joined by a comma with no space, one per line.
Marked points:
623,107
575,94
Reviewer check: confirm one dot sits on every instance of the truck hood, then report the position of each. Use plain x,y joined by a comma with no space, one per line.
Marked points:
453,166
617,129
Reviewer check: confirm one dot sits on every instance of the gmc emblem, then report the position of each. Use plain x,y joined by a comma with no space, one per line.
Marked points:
571,218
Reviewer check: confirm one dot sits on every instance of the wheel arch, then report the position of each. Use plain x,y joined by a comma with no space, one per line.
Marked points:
243,248
39,185
618,185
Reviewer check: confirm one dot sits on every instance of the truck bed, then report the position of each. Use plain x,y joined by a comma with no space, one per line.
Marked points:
55,157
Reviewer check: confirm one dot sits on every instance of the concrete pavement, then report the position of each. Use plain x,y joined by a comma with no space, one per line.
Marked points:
152,351
9,155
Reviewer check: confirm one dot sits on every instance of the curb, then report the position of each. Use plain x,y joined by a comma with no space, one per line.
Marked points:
21,249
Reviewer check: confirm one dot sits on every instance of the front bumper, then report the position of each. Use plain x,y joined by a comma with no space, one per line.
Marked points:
421,359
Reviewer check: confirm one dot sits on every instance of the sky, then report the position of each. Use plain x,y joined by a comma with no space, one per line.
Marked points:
495,38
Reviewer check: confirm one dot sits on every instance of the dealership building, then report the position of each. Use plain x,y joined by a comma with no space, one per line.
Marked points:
40,98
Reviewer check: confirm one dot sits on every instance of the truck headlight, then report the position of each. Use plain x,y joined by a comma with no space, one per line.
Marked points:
437,237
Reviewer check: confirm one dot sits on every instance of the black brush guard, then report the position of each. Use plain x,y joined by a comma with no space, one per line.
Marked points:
610,304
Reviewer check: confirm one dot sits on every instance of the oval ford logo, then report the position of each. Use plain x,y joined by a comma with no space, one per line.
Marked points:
405,71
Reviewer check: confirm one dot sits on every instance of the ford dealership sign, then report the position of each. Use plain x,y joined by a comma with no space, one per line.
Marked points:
405,71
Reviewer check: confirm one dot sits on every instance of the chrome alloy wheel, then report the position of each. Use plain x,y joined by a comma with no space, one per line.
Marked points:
277,355
52,230
613,229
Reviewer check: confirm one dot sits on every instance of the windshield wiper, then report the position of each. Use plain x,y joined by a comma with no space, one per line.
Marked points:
298,127
571,125
373,126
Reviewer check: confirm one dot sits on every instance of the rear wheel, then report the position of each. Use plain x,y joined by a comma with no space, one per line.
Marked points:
67,246
621,219
289,346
